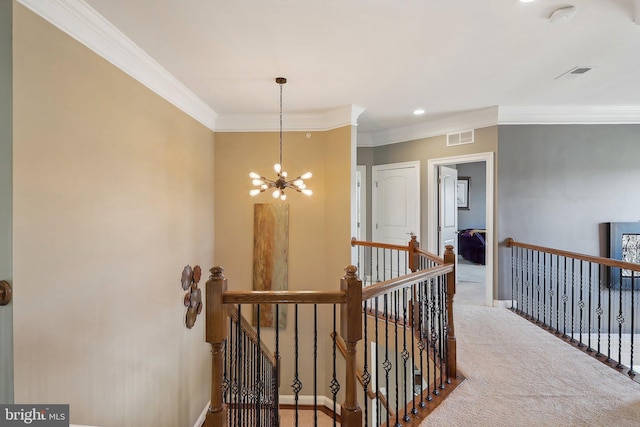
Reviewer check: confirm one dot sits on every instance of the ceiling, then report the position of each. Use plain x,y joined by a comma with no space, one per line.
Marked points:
389,57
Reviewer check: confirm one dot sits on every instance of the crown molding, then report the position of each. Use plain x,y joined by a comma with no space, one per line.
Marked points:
472,119
321,121
569,114
87,26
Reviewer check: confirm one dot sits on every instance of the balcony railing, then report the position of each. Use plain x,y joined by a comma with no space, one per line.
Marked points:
591,302
394,330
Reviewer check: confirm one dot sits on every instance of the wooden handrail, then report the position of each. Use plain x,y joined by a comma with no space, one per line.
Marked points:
430,256
355,242
284,297
250,332
404,281
589,258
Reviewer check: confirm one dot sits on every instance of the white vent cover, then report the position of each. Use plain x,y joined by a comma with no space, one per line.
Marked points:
460,138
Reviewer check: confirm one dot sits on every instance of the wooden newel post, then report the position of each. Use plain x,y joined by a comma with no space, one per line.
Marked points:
351,332
414,259
216,334
450,258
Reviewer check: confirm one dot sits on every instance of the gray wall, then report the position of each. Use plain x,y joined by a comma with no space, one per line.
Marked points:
476,216
558,185
6,205
422,150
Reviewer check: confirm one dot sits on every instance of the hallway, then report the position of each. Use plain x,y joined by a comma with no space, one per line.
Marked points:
520,375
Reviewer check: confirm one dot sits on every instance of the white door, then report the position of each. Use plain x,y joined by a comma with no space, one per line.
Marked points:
396,206
6,204
448,208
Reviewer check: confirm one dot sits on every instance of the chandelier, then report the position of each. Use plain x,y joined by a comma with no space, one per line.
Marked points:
281,183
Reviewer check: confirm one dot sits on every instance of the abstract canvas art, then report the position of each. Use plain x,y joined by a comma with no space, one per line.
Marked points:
270,258
624,245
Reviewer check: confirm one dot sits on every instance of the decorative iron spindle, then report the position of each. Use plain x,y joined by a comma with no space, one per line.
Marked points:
366,376
405,351
315,364
296,385
396,308
387,363
335,385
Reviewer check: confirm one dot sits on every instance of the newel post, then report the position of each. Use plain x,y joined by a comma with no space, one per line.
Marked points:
450,258
414,259
351,332
216,334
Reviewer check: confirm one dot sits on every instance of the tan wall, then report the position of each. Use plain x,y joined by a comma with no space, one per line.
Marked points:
6,199
319,226
113,195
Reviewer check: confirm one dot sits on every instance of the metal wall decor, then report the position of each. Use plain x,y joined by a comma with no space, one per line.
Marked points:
193,297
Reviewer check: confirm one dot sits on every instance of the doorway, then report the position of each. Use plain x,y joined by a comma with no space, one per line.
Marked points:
433,214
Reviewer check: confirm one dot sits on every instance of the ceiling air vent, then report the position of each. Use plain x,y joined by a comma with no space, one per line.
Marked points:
460,138
574,72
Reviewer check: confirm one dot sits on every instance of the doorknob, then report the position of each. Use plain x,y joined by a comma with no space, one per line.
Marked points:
5,292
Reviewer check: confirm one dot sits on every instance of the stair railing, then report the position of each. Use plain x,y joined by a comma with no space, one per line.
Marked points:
590,302
415,306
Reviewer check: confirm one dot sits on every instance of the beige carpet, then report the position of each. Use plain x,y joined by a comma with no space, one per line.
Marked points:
520,375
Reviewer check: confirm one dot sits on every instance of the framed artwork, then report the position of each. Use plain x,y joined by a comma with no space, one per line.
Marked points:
463,192
624,245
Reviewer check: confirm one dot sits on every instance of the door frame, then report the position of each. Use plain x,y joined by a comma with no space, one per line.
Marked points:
432,209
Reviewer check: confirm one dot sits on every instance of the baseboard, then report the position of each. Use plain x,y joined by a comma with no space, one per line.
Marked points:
284,400
309,401
203,415
504,303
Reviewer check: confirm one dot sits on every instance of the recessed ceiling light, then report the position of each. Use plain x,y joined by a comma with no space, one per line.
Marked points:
526,1
418,112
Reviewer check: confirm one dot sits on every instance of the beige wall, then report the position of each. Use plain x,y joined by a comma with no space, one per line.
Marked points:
113,192
6,200
319,226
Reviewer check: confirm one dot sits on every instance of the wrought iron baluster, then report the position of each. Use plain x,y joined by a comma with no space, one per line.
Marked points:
377,365
414,309
620,320
395,308
573,298
565,298
581,304
258,371
366,376
599,310
315,364
609,321
441,335
589,319
405,351
277,373
514,277
335,385
544,288
538,272
296,385
634,274
387,363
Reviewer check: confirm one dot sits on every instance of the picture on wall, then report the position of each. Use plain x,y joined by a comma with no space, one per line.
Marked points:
463,184
624,245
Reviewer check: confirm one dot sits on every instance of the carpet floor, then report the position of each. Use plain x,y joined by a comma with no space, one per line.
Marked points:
520,375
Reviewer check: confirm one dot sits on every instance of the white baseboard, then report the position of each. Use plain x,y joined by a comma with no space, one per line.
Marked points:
203,415
503,303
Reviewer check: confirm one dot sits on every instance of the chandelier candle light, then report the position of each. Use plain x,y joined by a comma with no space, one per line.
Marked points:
280,183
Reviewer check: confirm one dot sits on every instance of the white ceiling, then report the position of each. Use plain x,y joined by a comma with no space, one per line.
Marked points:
389,56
